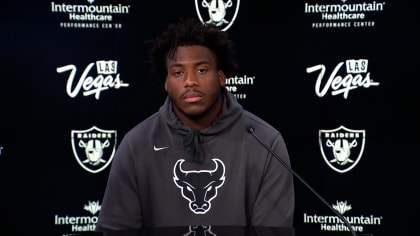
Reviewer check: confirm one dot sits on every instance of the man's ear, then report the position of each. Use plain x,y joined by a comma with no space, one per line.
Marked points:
166,87
222,78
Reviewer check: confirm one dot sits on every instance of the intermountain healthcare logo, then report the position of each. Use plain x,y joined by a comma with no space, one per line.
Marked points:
334,223
221,13
90,16
344,15
233,85
81,223
94,148
342,148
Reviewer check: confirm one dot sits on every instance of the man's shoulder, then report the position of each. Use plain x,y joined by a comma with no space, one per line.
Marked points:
145,125
254,120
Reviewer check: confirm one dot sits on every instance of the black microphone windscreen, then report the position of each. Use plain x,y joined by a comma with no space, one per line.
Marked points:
249,128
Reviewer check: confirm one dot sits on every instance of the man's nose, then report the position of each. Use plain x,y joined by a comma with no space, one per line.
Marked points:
190,79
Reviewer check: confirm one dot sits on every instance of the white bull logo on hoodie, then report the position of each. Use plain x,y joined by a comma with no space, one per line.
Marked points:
199,187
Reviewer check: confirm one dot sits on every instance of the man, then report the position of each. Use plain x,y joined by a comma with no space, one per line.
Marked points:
193,162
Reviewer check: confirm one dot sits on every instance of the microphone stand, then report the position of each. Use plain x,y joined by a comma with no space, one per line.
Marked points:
251,130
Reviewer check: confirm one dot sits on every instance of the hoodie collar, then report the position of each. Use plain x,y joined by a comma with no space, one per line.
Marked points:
231,111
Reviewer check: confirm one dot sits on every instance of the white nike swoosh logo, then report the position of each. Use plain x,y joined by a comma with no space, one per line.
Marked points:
159,148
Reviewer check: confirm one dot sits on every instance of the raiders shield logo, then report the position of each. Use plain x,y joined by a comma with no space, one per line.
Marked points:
342,148
94,148
221,13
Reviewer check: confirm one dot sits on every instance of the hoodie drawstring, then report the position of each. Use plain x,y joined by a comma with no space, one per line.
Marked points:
190,143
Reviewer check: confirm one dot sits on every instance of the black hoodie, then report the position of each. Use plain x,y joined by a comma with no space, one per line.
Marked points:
166,174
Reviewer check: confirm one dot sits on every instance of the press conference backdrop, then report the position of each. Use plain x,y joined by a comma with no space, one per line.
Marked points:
339,79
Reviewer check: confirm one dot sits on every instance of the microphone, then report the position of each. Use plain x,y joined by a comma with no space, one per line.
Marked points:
250,129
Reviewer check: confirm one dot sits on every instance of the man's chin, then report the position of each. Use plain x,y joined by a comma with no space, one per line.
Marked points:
194,113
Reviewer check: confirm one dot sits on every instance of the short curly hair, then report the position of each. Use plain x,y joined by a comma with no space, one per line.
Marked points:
188,32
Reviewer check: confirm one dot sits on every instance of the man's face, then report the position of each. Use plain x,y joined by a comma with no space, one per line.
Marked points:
193,82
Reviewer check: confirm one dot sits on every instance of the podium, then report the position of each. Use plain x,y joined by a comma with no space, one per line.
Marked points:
206,230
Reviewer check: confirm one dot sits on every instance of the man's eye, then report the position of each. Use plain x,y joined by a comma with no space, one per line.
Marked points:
202,71
177,73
